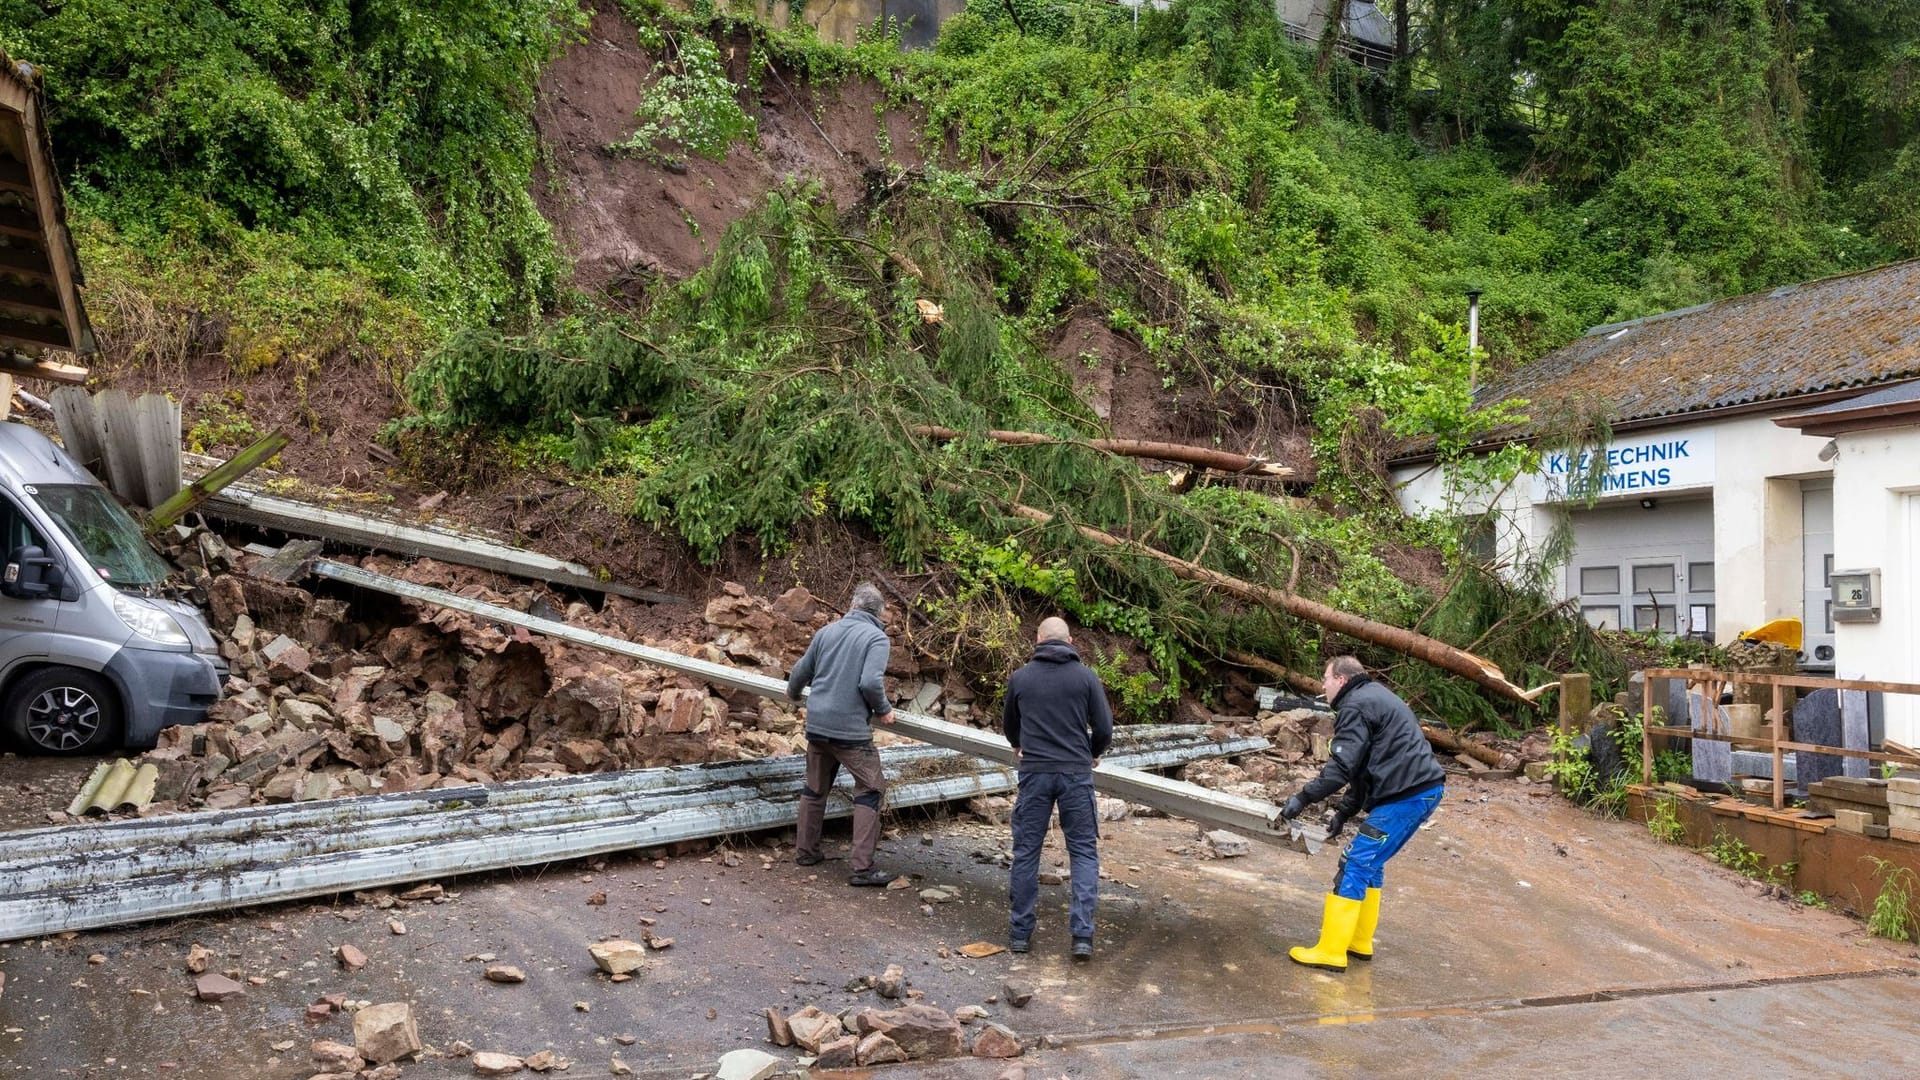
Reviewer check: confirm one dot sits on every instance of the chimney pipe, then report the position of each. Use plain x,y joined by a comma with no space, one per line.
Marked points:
1473,338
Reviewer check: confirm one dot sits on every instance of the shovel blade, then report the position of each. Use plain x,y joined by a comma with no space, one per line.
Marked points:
1306,839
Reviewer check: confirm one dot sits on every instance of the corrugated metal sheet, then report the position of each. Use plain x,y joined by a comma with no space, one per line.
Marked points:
1858,329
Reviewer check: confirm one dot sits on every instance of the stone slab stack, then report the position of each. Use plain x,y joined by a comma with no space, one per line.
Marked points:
1903,808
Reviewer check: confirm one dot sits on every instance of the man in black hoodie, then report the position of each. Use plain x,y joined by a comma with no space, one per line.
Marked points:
1382,758
1057,720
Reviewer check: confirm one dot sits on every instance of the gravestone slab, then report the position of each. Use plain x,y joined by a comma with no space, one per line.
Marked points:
1816,719
1711,760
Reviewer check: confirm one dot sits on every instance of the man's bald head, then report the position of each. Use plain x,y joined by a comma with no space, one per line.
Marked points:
1053,628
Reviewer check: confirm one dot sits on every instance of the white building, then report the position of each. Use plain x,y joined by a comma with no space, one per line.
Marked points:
1761,445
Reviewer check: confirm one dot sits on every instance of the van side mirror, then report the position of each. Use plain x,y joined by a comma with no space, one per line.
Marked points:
30,574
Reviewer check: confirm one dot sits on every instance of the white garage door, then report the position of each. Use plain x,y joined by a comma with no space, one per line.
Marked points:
1646,567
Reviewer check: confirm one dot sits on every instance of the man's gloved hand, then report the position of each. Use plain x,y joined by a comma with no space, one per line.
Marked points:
1336,821
1293,809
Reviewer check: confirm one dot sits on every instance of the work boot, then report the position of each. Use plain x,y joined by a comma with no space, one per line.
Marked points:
1362,947
1083,949
872,877
1337,923
809,858
1019,945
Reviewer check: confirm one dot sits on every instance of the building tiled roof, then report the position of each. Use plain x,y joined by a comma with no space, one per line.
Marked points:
1859,329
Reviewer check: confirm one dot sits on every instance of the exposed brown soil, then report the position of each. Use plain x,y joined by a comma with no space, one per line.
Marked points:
627,220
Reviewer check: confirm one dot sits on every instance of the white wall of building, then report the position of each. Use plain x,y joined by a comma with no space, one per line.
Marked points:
1749,466
1876,496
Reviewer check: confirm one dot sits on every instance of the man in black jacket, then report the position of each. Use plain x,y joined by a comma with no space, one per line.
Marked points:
1381,757
1057,721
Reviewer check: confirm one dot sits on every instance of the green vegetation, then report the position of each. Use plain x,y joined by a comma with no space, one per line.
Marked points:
1580,780
1284,237
1728,850
309,181
1663,820
1894,915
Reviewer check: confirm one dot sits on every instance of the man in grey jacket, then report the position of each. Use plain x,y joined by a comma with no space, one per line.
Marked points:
845,665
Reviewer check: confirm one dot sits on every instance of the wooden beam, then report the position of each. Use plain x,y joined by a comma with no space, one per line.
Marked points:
1752,743
21,364
1760,678
14,177
21,222
29,300
34,335
210,484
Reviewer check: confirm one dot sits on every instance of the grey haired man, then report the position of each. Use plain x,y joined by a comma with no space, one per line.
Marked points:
845,670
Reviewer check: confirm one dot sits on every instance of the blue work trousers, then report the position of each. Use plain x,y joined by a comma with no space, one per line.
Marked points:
1387,829
1040,792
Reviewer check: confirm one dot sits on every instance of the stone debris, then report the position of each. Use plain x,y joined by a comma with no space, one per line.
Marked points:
619,1068
349,957
547,1061
386,1032
318,705
1228,845
811,1029
489,1063
334,1056
841,1053
1017,992
878,1049
922,1031
778,1033
618,957
967,1014
746,1064
504,973
996,1041
891,983
216,987
198,959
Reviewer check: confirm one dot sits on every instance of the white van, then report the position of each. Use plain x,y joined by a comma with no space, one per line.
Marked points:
93,653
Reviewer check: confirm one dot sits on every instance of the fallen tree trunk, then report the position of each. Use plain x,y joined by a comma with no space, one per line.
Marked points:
1304,683
1454,744
1419,646
1199,456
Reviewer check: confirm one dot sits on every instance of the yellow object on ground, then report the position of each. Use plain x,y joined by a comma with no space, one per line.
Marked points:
1337,924
1780,631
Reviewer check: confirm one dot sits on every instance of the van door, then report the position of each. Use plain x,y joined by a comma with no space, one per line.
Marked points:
24,624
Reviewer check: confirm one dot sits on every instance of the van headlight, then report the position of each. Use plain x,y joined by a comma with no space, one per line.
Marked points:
149,622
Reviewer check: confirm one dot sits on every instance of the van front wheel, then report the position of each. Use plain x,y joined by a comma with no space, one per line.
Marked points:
62,710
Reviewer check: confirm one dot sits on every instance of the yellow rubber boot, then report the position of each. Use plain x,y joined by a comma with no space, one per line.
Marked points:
1336,933
1362,947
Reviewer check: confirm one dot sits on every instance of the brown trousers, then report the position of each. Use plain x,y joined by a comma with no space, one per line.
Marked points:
869,786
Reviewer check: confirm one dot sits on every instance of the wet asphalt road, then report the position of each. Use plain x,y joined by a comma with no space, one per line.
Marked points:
1519,937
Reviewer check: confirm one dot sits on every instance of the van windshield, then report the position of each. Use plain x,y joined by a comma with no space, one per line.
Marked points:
112,542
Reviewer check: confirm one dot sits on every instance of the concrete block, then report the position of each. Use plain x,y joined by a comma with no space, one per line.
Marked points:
1853,821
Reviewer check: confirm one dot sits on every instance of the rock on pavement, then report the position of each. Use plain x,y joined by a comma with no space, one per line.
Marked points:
488,1063
618,957
386,1032
996,1041
746,1065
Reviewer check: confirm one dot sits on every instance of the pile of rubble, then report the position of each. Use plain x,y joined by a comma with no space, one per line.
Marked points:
325,700
863,1036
